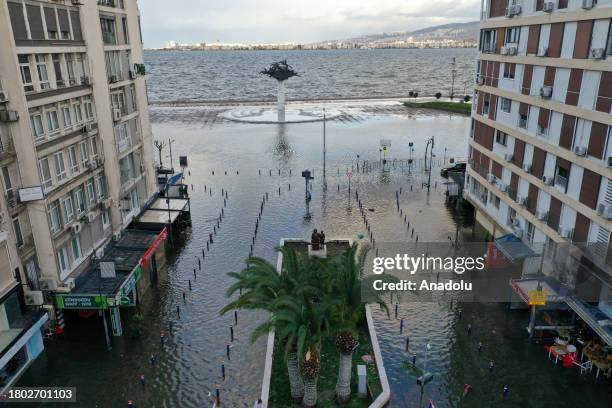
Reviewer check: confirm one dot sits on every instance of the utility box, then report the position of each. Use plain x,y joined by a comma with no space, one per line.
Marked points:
362,383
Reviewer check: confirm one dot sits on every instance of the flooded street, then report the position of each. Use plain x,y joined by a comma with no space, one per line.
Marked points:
250,161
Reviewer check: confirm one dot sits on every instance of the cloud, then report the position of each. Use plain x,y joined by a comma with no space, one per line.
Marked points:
253,21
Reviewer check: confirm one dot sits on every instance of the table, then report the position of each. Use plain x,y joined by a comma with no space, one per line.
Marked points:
557,351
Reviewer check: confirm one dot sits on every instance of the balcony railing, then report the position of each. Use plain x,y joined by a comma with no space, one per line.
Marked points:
26,244
561,181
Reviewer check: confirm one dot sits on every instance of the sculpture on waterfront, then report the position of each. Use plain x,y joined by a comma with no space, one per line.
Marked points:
281,71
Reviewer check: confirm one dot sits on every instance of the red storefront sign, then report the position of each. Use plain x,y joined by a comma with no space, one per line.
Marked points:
161,237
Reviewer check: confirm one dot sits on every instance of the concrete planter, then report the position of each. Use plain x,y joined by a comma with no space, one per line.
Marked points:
383,397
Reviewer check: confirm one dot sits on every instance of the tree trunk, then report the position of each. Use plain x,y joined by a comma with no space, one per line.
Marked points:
343,386
280,101
296,383
310,392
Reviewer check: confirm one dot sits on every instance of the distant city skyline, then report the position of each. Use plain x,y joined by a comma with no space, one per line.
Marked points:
271,21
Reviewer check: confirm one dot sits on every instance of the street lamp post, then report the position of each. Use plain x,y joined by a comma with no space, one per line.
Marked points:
429,142
170,141
324,150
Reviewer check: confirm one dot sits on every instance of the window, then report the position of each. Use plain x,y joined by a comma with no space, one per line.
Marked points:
79,197
43,76
108,31
105,219
64,35
68,208
18,233
75,244
84,153
37,126
57,68
78,113
60,166
609,48
501,138
94,147
91,194
74,162
118,102
26,73
66,116
6,177
70,68
530,231
89,114
52,35
62,260
100,187
485,108
134,199
122,138
45,173
513,35
509,70
506,105
124,26
496,202
55,219
52,121
523,121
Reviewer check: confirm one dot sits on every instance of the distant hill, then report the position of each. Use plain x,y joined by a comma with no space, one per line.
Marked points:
457,31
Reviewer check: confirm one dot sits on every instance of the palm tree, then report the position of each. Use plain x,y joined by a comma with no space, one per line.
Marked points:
263,287
349,312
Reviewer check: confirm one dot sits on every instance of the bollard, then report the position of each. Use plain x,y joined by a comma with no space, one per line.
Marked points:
199,264
414,359
270,173
183,296
407,343
260,172
227,351
194,273
289,186
178,311
401,325
189,284
213,173
231,333
235,317
223,371
396,308
218,396
279,172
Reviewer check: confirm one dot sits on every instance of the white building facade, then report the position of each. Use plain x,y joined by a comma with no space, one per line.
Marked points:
76,160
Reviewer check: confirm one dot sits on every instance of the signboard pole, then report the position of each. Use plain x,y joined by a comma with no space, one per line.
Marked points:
108,343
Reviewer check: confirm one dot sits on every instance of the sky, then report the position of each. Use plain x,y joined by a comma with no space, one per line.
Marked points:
298,21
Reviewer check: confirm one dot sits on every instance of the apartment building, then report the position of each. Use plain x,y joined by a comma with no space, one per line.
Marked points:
540,147
75,138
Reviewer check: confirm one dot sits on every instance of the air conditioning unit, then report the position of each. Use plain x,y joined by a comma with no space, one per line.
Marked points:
546,91
491,178
548,180
512,50
33,298
513,10
542,52
598,53
588,4
9,116
503,187
580,150
508,157
4,96
518,232
527,168
116,115
605,210
503,50
85,80
480,80
76,228
76,3
521,200
564,232
47,284
541,215
548,7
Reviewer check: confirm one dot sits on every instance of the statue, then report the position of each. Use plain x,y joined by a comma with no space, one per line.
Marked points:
281,71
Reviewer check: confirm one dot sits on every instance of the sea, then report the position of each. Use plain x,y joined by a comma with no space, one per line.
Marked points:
221,76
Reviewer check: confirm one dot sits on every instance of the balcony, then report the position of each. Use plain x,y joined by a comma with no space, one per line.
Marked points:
561,181
12,202
26,245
